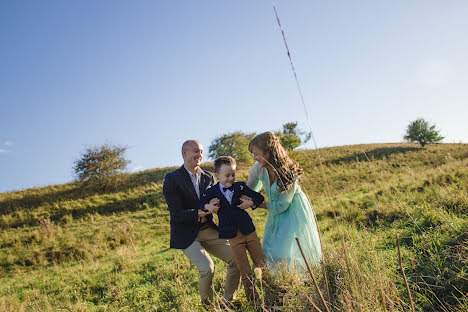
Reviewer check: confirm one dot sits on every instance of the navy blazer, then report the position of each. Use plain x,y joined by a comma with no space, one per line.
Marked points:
231,218
183,204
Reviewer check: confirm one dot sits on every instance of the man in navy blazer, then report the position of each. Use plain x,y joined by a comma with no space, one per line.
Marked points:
192,229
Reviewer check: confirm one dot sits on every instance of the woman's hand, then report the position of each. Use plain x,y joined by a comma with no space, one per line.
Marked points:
246,202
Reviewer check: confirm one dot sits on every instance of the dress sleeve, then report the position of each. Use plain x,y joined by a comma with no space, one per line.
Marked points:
254,181
282,203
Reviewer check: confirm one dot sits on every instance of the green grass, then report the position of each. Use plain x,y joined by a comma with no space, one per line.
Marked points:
80,249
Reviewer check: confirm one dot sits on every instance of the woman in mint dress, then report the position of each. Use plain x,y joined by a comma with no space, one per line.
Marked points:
290,213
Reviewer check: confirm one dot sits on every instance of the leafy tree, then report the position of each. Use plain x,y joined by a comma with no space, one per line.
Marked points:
235,144
292,137
101,164
420,131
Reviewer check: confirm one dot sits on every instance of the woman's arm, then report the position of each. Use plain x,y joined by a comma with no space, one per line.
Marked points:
254,181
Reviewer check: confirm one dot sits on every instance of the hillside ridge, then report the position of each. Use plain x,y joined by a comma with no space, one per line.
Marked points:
79,248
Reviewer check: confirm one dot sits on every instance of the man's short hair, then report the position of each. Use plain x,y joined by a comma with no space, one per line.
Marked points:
223,160
188,143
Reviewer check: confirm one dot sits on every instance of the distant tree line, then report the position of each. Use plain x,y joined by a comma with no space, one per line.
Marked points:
236,144
103,165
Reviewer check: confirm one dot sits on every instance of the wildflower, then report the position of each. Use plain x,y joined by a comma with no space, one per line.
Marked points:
258,273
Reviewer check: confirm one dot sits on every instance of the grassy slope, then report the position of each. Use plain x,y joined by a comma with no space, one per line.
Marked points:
85,250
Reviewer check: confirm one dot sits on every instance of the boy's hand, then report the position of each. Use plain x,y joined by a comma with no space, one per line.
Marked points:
246,202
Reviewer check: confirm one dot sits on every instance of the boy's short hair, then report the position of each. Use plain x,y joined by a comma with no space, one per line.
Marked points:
223,160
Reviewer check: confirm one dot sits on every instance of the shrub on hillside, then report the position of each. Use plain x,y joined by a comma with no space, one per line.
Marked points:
234,144
420,131
101,165
292,137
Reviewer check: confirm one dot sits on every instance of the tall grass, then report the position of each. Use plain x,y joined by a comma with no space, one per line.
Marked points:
75,248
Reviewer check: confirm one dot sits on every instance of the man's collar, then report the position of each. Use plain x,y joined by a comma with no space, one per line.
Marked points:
198,171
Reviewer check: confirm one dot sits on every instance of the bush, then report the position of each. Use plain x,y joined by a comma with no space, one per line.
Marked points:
420,131
292,137
101,164
234,144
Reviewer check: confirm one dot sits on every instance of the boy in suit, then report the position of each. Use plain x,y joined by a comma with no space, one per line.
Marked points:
193,230
235,224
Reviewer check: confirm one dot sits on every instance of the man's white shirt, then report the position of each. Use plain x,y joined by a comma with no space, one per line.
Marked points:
195,180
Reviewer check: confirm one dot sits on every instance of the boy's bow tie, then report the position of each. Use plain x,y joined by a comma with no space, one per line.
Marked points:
227,188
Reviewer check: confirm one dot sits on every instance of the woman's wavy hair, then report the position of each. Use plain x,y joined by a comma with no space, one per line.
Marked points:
287,171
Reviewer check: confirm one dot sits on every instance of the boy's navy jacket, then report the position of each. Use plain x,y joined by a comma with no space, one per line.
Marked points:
231,218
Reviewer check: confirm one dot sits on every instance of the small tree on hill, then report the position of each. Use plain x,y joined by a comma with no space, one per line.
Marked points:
234,144
292,137
101,164
420,131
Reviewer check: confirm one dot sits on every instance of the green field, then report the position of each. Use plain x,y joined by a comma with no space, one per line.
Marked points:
73,248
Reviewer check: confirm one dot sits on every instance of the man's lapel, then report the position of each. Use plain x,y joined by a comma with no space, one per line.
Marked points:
205,180
187,181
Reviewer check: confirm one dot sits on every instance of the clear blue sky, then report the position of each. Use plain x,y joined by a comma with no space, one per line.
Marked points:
151,74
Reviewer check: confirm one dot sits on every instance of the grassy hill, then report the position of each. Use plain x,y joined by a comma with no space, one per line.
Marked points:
69,248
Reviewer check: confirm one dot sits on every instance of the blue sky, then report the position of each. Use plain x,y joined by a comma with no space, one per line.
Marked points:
151,74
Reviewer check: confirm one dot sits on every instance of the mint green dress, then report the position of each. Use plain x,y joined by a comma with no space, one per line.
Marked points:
290,215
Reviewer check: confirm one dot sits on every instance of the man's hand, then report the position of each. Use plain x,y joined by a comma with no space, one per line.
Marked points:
215,203
211,208
202,213
246,202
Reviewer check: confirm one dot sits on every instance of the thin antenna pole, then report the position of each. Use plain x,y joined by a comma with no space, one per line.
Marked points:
295,75
315,144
